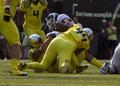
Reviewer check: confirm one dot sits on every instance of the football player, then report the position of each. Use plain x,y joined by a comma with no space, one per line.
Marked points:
114,66
51,24
62,47
33,12
9,30
34,42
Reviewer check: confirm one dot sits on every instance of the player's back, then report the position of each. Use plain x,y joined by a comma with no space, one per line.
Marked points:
79,36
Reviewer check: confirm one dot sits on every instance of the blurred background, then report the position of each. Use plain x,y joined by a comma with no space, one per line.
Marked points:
97,15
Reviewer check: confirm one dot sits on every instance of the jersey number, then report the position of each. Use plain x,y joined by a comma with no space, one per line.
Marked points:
36,13
84,35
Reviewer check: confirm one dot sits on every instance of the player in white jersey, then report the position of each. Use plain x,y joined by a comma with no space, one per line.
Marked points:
114,66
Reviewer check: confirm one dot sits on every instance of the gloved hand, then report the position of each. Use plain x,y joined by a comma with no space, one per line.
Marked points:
7,14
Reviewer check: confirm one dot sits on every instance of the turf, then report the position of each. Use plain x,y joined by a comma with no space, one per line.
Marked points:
89,77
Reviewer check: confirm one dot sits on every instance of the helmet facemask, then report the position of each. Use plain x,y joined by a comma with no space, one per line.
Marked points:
51,21
51,24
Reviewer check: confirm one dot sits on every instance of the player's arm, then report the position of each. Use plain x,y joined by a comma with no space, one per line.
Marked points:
92,60
47,42
7,13
44,46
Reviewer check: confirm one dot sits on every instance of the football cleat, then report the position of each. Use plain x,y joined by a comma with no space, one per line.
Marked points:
18,73
105,68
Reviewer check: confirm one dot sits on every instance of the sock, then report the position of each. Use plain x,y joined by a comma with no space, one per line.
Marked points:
14,64
96,63
33,65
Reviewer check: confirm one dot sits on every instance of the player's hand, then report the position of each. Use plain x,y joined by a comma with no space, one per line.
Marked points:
7,14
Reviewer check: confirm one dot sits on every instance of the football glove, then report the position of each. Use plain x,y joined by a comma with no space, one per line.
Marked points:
7,14
43,2
105,68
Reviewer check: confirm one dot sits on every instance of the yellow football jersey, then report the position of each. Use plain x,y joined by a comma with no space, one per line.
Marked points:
77,34
13,5
33,13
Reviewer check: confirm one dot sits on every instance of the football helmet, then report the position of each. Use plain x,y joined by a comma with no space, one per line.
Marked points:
34,40
89,32
65,20
51,21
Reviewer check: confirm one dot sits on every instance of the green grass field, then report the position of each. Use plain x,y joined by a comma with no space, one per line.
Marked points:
89,77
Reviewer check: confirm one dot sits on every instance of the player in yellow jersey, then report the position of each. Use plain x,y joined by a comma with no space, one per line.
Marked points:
9,30
62,48
50,22
33,12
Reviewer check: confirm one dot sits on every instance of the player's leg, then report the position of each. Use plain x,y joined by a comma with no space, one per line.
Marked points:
65,54
25,47
64,61
114,66
46,62
115,61
11,34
